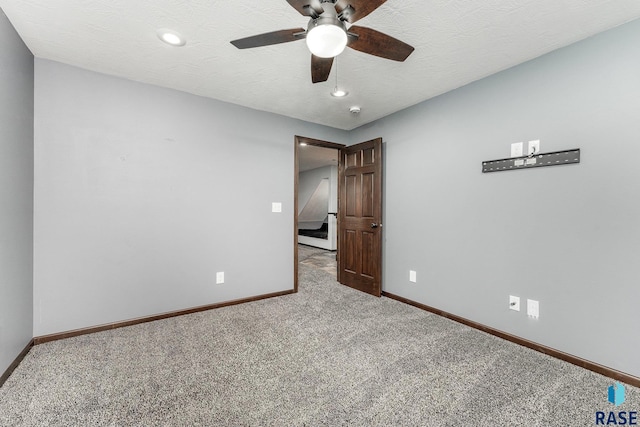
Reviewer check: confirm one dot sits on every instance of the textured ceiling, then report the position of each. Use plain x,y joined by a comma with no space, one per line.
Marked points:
456,42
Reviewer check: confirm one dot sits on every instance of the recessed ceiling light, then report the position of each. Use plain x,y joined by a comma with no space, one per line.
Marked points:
339,93
303,144
171,37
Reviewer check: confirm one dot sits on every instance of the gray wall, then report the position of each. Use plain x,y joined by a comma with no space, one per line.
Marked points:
308,183
143,194
16,194
567,236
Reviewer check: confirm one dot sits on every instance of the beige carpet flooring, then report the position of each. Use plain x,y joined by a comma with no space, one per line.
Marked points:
326,356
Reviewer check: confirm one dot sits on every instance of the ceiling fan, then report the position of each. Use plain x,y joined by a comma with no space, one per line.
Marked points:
327,34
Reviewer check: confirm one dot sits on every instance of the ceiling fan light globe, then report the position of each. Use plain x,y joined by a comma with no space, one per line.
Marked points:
326,40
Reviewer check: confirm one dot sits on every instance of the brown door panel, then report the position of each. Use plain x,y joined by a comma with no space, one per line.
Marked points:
360,217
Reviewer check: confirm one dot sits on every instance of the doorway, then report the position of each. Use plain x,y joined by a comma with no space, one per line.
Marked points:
316,200
356,213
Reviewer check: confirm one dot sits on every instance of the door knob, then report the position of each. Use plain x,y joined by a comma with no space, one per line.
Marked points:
374,225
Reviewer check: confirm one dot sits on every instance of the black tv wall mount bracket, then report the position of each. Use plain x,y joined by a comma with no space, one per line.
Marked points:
537,160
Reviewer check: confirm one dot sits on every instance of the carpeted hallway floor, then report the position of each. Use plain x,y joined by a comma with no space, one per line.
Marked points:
326,356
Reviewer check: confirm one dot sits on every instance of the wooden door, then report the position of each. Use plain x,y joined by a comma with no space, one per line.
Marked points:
360,217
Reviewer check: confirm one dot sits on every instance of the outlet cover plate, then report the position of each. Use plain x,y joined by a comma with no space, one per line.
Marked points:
516,149
514,303
534,147
219,277
412,276
533,308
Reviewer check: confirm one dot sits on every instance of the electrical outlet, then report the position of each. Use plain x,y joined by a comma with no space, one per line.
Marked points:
276,207
514,303
219,277
412,276
534,147
533,308
516,149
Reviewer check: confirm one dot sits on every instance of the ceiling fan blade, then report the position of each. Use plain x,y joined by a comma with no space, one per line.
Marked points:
379,44
305,7
273,37
320,68
359,8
